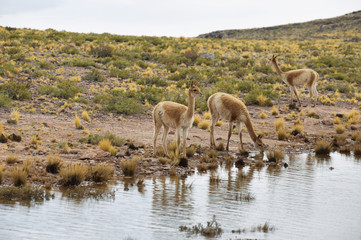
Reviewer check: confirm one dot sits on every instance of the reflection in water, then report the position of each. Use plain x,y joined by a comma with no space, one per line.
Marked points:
304,201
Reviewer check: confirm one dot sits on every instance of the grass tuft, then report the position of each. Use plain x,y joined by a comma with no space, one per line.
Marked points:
85,116
18,176
105,145
282,134
129,167
323,147
280,123
54,163
196,120
191,150
262,115
340,129
101,172
275,111
73,174
204,124
275,155
11,159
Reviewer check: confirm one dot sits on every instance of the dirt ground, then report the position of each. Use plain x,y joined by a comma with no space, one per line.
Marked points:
138,129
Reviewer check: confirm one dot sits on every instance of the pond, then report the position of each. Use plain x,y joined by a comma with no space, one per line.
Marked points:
311,199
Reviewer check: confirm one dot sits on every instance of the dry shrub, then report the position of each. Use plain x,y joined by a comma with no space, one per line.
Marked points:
105,145
196,120
204,124
298,128
282,134
27,165
18,176
77,122
85,116
73,174
323,147
12,158
280,123
262,115
101,172
1,173
275,155
191,150
340,129
337,121
164,160
14,116
207,115
259,164
220,146
129,167
219,123
275,111
357,149
212,153
205,159
54,163
202,167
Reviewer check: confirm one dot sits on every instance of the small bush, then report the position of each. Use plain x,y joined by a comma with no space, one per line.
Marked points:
357,149
54,163
105,145
204,124
77,122
274,111
15,116
191,150
69,50
73,174
275,155
280,123
94,75
12,158
64,89
323,147
262,115
101,172
105,50
282,134
298,128
1,173
207,115
27,165
340,129
337,121
220,146
25,193
16,91
129,167
85,116
5,101
196,120
18,176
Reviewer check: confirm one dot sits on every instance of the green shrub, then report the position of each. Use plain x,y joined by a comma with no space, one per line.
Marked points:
69,50
255,97
80,62
65,89
94,75
95,139
102,51
15,91
5,101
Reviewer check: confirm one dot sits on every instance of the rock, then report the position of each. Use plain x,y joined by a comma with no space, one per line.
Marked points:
95,154
327,121
353,128
240,162
120,155
207,55
285,165
77,107
340,115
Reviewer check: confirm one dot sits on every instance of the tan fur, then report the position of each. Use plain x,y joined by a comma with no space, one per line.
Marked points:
227,107
174,115
298,77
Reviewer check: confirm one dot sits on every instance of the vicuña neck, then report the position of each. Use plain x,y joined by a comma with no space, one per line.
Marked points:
191,105
250,129
278,70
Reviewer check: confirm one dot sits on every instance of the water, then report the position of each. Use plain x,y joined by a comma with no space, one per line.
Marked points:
307,200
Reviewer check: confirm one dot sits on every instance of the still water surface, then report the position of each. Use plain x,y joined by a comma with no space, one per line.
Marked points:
307,200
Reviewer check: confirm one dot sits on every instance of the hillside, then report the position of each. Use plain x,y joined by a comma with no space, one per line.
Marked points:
346,27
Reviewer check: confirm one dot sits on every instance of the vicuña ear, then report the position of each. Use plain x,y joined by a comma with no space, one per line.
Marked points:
192,83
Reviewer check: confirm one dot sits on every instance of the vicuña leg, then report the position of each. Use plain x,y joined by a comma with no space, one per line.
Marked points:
157,128
164,140
230,126
185,134
296,93
239,128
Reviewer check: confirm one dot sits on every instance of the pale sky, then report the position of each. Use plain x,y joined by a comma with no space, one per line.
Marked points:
187,18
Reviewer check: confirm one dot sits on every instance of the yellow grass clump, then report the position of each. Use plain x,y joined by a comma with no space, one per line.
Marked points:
323,147
337,120
105,145
85,116
1,127
14,116
77,122
280,123
219,123
11,158
262,115
275,155
129,167
340,129
275,111
298,128
101,172
54,163
27,165
191,150
18,176
207,115
73,174
282,134
204,125
1,173
196,120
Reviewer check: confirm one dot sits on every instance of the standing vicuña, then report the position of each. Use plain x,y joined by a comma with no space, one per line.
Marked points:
174,115
298,77
227,107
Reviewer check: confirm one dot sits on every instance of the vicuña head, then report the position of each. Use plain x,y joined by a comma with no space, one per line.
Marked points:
298,77
174,115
